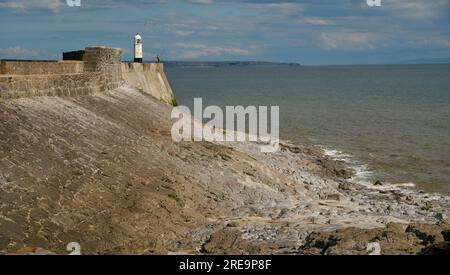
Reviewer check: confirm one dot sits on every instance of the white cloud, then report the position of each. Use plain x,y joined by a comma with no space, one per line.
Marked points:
184,33
190,45
58,5
286,8
26,5
427,42
417,9
17,52
201,1
195,50
314,21
347,40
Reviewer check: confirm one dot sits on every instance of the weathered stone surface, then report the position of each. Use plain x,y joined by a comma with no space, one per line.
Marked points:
228,241
149,78
344,186
49,85
28,67
99,71
31,251
377,183
394,239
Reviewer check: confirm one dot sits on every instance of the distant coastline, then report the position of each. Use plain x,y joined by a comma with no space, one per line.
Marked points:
217,64
427,61
228,64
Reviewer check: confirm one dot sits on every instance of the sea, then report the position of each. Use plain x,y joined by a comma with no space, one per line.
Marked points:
390,122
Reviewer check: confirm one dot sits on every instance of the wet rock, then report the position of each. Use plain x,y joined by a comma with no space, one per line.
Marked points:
440,217
344,186
427,233
292,148
343,173
378,183
333,197
429,205
334,168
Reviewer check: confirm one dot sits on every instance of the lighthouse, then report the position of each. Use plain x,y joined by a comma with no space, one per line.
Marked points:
138,48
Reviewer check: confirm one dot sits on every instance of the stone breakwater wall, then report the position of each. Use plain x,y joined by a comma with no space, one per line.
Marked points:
94,69
150,79
99,70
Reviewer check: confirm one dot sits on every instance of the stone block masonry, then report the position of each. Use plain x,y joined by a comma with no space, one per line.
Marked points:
25,67
49,85
99,70
106,62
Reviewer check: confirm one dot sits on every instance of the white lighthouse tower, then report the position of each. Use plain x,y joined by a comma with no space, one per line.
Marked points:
138,55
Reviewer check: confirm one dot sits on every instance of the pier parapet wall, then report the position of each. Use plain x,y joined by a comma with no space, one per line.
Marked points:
31,67
99,70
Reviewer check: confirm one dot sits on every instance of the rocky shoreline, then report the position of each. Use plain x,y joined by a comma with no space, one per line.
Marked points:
102,170
341,216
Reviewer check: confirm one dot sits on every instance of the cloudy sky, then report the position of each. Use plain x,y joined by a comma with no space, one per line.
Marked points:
309,32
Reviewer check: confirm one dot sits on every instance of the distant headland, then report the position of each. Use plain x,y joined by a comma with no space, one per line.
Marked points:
218,64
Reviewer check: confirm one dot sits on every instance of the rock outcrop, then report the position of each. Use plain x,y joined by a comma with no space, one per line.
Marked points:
429,239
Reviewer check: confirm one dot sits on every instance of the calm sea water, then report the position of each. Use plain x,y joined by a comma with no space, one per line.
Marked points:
393,122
